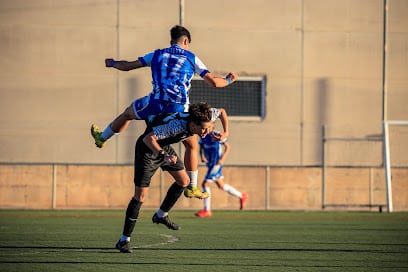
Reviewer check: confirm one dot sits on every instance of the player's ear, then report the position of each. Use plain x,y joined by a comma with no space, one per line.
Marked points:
185,41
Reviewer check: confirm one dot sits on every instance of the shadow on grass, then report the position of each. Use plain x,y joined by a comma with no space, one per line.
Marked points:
141,248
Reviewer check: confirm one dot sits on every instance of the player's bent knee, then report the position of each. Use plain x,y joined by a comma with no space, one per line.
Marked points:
220,185
183,182
191,143
140,193
129,113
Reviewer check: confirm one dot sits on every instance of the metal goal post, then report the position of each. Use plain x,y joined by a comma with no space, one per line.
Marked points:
326,140
387,157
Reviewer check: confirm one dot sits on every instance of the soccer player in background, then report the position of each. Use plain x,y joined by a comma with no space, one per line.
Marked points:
213,152
172,70
153,150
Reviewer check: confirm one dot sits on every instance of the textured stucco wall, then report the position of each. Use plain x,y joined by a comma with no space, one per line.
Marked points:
323,61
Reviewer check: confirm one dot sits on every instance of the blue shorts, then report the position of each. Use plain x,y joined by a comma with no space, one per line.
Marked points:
143,107
214,173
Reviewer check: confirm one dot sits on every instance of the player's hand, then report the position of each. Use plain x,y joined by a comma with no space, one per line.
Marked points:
170,158
232,76
109,62
220,135
224,135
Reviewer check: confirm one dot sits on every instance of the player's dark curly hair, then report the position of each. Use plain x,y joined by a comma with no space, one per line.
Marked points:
176,32
200,112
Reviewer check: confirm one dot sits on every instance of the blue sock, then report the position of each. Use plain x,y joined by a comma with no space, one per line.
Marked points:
107,133
161,213
124,238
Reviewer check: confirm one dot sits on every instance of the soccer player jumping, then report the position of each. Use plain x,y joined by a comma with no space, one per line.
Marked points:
172,70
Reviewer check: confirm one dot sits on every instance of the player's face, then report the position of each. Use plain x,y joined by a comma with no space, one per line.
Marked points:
202,130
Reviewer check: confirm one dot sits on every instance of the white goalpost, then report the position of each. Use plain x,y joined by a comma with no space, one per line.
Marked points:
350,153
387,158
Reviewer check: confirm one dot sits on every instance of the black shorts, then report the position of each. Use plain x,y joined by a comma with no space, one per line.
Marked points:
146,164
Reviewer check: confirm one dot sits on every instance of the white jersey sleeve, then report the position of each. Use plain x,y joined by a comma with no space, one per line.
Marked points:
215,114
200,67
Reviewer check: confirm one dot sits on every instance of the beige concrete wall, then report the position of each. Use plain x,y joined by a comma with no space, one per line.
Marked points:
322,60
269,188
26,186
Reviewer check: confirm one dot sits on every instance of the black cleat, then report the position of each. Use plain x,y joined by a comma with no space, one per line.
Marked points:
165,221
123,246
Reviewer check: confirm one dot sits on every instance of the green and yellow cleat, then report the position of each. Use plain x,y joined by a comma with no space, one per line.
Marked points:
194,192
97,135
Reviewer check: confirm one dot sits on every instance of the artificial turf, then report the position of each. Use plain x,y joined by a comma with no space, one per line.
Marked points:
228,241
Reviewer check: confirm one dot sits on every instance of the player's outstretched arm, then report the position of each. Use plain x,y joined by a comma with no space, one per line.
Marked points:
220,82
224,122
123,65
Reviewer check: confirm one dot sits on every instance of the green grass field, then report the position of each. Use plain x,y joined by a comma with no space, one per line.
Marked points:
229,241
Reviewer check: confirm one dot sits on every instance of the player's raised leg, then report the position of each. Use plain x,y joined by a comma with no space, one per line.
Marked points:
136,111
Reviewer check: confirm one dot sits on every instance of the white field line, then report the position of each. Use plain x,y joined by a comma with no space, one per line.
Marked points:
170,239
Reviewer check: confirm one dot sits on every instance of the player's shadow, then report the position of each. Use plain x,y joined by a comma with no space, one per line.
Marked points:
277,249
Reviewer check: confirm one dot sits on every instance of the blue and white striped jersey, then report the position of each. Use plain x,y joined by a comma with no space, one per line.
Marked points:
212,149
172,70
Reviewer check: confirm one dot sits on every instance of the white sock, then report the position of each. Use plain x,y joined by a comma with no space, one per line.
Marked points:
107,133
161,213
124,238
232,191
193,178
207,201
